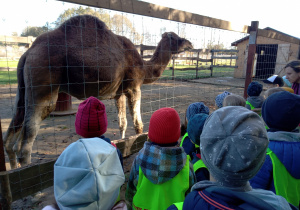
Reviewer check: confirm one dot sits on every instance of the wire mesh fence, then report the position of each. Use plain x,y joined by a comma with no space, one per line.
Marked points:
108,64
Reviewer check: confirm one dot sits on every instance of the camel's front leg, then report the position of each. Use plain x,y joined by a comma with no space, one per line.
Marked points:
121,106
134,105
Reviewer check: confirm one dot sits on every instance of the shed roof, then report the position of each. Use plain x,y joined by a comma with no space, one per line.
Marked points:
267,28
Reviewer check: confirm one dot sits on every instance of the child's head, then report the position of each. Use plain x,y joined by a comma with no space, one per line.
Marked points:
233,145
88,175
91,119
270,91
281,111
234,100
274,81
164,127
254,89
195,126
196,108
220,98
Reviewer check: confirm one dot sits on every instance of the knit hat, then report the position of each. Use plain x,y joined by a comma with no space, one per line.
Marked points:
233,145
88,175
281,111
254,89
195,126
196,108
275,79
164,126
220,98
91,119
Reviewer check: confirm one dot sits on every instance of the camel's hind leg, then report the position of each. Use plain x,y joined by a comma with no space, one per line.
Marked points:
121,106
38,107
14,129
134,105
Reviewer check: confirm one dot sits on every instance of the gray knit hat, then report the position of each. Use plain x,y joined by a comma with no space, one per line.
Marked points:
233,145
220,98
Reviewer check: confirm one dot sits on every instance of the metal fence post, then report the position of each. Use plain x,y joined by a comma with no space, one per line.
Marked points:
251,54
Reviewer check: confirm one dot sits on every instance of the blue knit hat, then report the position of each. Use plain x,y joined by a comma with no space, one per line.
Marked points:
220,98
254,89
281,111
195,126
196,108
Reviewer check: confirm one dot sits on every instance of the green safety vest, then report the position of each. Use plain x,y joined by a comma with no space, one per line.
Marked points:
285,184
179,205
183,138
161,196
199,164
251,106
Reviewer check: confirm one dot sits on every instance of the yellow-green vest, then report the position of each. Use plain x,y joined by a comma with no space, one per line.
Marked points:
161,196
251,106
179,205
285,184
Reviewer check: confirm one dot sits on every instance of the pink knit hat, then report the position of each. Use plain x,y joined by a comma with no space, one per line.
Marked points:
91,119
164,127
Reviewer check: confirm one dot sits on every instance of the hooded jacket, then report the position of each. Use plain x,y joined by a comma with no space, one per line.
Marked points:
256,101
209,195
159,165
286,146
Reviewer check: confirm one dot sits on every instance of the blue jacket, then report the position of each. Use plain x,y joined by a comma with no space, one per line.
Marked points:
286,146
208,195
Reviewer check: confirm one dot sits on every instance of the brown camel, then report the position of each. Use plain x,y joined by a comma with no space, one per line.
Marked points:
82,58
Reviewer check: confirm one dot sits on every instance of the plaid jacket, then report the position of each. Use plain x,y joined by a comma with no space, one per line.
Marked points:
159,164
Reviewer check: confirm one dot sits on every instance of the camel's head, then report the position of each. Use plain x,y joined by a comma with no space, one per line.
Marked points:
174,43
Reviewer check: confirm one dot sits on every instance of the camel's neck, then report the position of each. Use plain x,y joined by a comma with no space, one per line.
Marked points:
157,64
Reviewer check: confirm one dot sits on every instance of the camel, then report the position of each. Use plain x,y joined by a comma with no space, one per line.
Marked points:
83,58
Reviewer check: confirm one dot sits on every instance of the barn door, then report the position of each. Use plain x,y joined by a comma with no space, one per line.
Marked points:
282,58
266,60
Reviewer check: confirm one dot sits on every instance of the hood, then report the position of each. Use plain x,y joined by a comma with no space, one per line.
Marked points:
88,175
256,101
160,164
286,146
252,199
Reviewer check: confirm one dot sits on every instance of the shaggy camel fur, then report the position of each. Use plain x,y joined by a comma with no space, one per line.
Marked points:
82,58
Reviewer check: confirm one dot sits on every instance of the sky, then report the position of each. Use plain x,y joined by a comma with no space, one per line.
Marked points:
15,15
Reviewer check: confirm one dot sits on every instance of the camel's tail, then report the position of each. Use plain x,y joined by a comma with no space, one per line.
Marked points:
19,106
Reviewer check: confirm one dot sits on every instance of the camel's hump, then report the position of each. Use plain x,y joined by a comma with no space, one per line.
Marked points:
83,21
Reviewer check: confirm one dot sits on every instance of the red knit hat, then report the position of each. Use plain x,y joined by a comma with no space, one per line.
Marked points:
164,127
91,119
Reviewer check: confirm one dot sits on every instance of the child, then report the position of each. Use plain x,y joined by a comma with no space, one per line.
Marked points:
220,98
233,146
270,91
91,121
274,81
281,170
161,173
255,100
234,100
194,108
194,129
88,175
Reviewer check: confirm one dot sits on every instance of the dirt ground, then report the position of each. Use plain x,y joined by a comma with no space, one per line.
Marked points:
56,133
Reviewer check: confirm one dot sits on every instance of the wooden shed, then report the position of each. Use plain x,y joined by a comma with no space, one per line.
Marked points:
270,57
